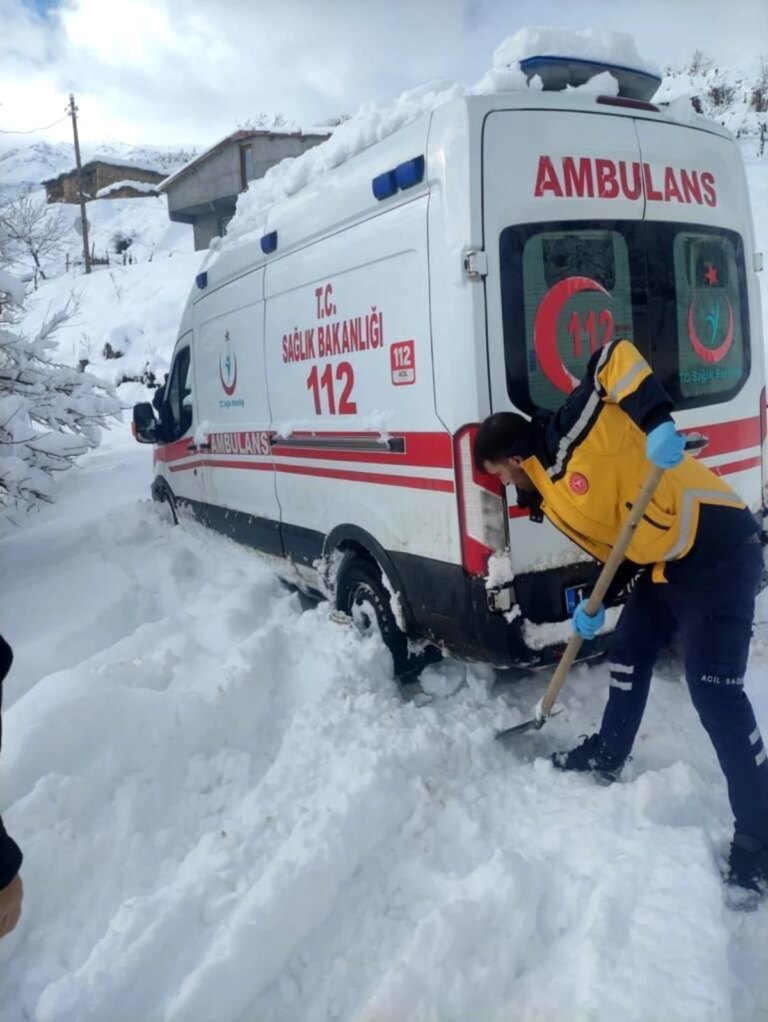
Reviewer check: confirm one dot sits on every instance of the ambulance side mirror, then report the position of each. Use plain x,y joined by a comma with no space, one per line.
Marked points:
145,426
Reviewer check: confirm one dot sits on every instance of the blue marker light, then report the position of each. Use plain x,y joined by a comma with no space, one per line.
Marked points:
202,279
269,242
384,185
410,173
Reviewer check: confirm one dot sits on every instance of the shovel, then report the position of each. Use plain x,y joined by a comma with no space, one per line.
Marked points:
544,709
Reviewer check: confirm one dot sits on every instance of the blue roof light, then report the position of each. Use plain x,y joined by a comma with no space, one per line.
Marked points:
269,242
384,185
558,72
410,173
202,279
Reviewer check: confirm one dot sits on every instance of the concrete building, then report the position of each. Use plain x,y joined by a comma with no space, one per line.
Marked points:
204,192
114,180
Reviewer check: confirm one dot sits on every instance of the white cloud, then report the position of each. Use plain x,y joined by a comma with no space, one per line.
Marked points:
189,70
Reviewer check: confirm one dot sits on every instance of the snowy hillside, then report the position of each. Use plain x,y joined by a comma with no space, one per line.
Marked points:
734,97
25,163
134,303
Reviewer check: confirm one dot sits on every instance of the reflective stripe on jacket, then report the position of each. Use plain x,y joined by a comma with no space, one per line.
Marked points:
589,465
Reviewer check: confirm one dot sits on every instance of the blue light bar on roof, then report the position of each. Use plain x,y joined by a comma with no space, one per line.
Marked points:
384,185
410,173
202,279
558,72
269,242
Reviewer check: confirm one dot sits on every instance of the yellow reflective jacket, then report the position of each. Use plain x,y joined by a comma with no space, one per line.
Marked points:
589,464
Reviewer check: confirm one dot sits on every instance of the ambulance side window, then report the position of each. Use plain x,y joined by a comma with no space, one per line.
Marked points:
177,414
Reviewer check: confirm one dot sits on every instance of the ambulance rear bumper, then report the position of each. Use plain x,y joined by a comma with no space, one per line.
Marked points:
452,608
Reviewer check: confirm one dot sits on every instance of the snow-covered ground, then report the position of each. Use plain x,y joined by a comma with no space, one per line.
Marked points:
229,814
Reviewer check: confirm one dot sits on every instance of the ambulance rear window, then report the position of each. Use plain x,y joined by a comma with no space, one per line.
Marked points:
576,294
709,328
677,291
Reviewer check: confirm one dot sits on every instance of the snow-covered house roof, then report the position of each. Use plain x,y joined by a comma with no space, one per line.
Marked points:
132,167
239,136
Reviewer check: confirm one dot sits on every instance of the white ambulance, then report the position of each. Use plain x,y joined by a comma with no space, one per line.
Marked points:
329,375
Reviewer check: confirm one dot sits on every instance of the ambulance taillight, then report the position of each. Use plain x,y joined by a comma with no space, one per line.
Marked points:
481,506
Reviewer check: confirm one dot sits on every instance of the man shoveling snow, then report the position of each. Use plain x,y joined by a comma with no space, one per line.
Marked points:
697,554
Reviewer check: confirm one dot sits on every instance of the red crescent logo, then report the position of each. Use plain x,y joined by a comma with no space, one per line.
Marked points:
710,354
229,390
545,329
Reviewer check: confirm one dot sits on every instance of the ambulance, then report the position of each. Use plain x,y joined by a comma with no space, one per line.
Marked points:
331,372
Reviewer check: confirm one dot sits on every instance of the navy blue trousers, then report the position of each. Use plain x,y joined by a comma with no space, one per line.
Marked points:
712,609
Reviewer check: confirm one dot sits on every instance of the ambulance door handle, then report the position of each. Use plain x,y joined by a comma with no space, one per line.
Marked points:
695,443
205,446
191,447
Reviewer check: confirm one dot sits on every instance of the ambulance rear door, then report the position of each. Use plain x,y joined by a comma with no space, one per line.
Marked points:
704,332
555,186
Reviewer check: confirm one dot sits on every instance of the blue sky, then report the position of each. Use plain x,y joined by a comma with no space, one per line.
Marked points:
42,7
191,70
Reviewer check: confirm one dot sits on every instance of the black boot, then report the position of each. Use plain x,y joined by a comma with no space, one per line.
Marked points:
591,756
748,864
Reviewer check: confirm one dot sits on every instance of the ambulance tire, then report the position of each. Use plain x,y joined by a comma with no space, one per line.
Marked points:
170,504
360,591
164,497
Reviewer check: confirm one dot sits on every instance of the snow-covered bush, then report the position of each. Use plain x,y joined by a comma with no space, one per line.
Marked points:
49,413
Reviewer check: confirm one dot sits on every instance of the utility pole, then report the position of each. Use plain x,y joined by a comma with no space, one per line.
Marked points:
72,111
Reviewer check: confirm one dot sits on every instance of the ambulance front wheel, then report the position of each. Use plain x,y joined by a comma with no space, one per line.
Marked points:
361,593
162,494
168,506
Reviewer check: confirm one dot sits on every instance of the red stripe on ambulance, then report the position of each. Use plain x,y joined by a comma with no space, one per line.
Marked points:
412,482
732,467
422,450
725,437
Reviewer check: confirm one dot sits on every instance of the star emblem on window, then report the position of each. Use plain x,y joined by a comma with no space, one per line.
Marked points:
711,275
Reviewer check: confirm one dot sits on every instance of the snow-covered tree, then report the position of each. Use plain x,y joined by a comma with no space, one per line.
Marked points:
700,63
34,232
49,413
267,122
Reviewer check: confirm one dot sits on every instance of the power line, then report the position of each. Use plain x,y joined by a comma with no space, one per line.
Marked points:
33,131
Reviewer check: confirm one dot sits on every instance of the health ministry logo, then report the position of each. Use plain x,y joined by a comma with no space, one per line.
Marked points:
228,366
709,331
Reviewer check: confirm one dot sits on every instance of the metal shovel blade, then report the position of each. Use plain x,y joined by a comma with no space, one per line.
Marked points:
535,724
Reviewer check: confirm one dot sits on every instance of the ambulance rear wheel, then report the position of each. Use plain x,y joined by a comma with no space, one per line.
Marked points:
361,593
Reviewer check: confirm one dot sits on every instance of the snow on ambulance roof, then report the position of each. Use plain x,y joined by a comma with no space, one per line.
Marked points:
597,44
374,123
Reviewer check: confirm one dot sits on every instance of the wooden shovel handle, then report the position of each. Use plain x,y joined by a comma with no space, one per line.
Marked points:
601,587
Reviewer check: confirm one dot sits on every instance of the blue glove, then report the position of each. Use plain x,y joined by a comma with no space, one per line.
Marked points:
664,447
584,624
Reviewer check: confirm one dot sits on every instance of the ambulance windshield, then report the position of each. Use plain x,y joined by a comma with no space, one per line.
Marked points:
677,291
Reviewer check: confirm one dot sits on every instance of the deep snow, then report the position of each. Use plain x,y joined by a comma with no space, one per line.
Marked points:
230,815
